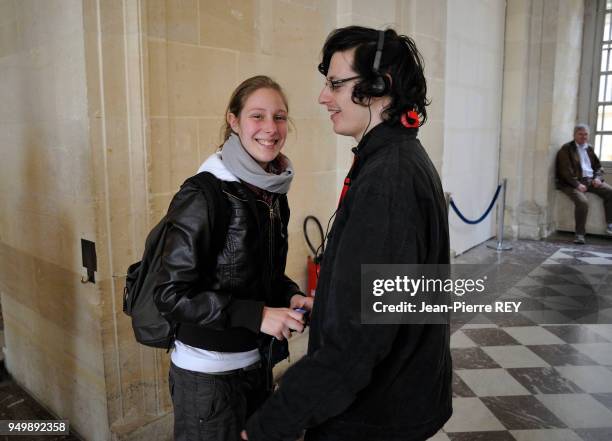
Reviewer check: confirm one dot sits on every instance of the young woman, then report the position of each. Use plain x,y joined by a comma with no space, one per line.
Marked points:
222,275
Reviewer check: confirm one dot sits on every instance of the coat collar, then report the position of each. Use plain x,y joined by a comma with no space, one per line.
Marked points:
379,136
575,145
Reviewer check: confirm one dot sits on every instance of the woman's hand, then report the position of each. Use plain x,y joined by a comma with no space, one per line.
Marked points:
302,302
279,322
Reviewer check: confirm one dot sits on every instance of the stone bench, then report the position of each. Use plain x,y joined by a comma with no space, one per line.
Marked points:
564,214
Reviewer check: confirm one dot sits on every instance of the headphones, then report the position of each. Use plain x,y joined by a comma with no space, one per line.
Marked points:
380,85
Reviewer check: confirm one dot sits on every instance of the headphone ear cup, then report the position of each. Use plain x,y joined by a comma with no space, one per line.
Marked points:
376,88
379,86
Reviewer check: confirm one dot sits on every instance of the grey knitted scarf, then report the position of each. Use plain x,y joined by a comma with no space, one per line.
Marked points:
244,167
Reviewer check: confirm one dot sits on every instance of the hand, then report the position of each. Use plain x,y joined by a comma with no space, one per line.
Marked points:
279,322
582,188
596,183
243,435
300,301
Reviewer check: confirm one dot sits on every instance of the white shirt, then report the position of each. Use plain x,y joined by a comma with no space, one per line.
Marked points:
585,161
200,360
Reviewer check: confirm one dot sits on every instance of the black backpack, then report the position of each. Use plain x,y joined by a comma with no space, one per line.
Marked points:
150,328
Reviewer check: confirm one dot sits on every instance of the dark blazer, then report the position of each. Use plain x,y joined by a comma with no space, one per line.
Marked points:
568,170
371,382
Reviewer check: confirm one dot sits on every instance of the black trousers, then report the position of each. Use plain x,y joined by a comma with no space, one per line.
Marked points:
215,407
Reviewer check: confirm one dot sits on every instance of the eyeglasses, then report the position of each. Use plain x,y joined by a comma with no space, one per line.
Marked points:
336,84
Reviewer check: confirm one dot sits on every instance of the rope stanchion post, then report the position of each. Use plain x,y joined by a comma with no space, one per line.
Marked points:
501,210
481,218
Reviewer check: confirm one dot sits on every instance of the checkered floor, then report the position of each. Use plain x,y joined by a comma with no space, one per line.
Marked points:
518,379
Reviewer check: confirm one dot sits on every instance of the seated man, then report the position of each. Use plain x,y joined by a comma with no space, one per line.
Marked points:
578,170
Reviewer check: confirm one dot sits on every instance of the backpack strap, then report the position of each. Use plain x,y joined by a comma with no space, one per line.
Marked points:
210,185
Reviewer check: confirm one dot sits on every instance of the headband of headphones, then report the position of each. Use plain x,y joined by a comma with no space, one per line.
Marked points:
379,48
380,85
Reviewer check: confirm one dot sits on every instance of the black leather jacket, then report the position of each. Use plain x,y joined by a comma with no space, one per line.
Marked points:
222,264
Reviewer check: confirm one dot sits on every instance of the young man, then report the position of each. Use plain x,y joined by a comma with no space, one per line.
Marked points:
371,382
579,171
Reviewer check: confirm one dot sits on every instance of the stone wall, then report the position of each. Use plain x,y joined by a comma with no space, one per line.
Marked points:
543,49
51,320
474,55
198,53
425,22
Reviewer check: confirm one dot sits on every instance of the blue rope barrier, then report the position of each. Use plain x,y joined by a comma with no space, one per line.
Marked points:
481,218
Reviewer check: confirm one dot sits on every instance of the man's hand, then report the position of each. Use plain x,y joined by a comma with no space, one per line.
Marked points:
279,322
300,301
582,188
244,435
596,183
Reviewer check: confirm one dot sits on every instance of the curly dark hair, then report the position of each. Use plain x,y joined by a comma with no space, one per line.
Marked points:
400,60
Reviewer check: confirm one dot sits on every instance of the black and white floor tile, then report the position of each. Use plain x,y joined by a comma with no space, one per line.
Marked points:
544,374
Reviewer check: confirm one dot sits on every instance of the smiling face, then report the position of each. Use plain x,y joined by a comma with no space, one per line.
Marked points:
261,125
348,118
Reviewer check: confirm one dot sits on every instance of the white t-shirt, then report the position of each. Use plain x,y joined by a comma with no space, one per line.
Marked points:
200,360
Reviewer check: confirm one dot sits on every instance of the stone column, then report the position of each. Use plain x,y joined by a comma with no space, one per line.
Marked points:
137,401
542,59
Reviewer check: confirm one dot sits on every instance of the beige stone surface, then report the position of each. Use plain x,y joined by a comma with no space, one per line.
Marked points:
311,146
51,320
202,80
432,137
285,35
312,193
174,152
52,340
382,10
433,51
296,260
539,107
157,57
210,137
436,110
431,18
147,428
160,155
10,37
174,20
229,24
159,204
134,388
471,123
8,11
